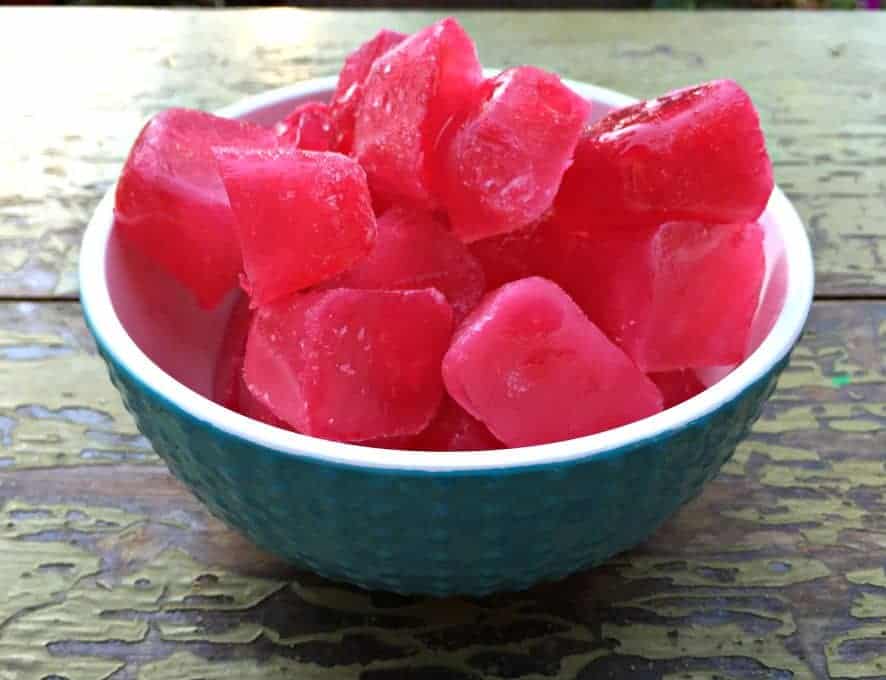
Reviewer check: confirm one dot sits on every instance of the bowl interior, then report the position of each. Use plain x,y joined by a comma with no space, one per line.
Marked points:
149,322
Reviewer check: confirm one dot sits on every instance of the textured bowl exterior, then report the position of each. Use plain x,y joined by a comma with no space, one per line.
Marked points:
441,533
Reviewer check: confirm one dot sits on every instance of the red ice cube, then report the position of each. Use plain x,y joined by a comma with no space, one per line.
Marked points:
229,365
452,429
530,365
229,387
694,154
414,249
351,365
171,204
677,386
681,295
349,90
308,127
302,217
503,166
411,92
529,251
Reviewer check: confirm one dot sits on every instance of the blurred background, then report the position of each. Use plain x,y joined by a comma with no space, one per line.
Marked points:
590,4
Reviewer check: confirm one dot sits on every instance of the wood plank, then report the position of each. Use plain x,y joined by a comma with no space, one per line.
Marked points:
76,98
776,569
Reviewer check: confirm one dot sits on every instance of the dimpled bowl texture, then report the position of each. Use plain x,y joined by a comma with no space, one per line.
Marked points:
420,522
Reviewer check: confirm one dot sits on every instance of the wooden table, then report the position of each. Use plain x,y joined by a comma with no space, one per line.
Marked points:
109,568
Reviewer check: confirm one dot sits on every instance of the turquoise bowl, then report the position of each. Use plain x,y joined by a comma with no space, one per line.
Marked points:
423,522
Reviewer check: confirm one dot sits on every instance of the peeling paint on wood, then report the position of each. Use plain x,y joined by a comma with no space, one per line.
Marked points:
110,569
55,407
64,142
775,571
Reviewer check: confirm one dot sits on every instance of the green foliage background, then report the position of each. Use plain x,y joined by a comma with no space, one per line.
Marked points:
727,4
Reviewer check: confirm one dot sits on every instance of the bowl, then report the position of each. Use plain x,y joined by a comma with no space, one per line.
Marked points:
436,523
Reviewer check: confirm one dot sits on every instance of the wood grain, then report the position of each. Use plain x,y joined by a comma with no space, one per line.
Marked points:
80,82
111,569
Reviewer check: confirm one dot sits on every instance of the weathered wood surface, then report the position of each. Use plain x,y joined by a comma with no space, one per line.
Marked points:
77,84
110,569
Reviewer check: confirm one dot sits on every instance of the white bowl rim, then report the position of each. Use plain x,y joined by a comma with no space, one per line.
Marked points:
96,302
